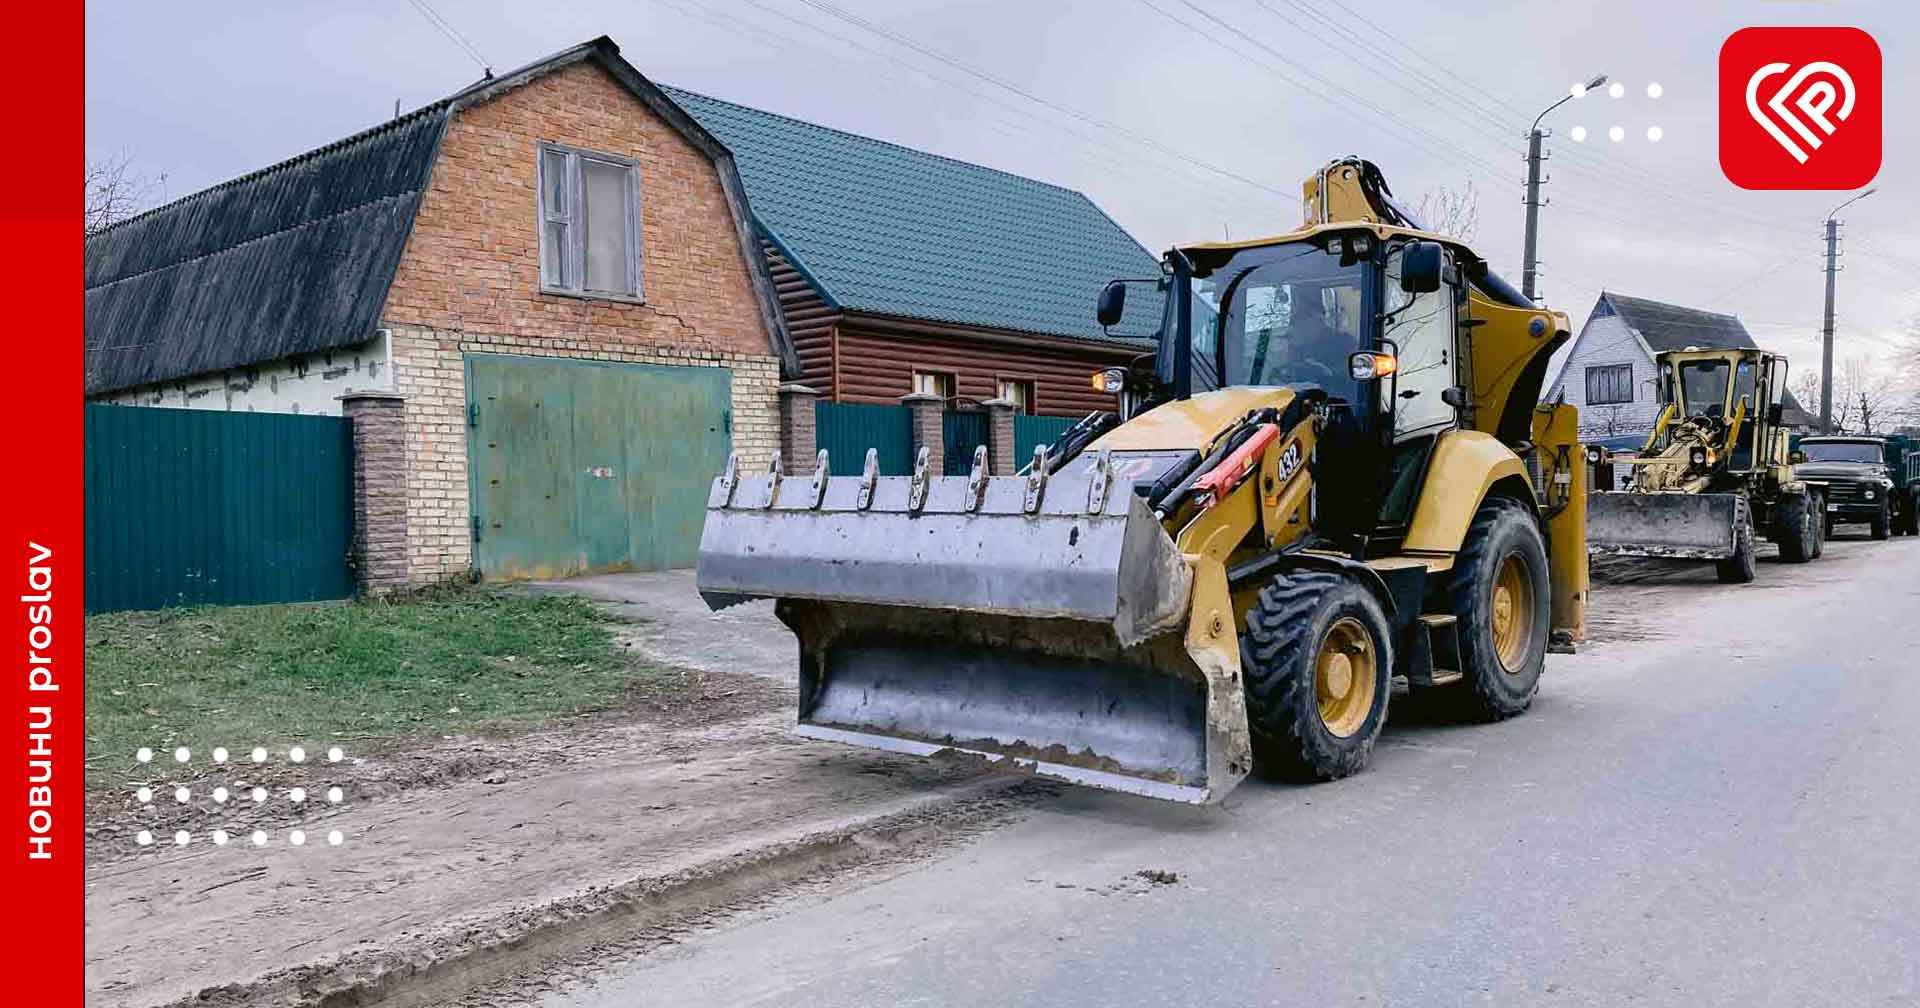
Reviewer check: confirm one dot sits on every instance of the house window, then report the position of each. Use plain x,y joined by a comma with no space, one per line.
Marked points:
1019,393
589,223
1610,383
934,383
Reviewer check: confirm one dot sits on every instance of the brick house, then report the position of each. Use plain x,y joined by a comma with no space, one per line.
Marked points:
541,300
1609,373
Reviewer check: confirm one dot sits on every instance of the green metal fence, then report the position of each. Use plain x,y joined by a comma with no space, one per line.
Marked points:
201,507
963,431
1031,431
847,430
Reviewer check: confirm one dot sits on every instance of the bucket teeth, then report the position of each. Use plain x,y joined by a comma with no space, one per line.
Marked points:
1029,620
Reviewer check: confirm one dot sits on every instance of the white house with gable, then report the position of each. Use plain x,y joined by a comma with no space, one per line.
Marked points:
1610,375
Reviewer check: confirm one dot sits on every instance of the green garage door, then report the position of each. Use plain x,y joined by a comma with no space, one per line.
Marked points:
582,466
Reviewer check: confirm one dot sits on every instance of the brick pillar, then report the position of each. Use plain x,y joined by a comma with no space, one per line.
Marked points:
929,428
379,489
798,445
1000,454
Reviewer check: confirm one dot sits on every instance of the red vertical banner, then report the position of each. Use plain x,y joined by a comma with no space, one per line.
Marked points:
41,414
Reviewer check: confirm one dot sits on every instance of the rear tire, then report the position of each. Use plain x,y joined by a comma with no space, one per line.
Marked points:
1817,506
1738,568
1881,523
1799,539
1910,523
1317,660
1501,601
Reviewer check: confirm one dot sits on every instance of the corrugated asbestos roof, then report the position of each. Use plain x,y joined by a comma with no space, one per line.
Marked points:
895,231
1672,327
295,258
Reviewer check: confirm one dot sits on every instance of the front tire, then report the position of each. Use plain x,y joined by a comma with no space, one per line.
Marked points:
1317,660
1739,568
1501,601
1881,524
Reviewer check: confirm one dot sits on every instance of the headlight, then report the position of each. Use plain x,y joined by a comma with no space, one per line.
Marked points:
1369,365
1593,456
1112,380
1870,493
1699,458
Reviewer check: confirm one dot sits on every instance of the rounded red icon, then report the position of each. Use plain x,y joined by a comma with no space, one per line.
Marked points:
1800,108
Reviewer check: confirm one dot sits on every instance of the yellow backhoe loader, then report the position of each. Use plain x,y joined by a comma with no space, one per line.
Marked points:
1716,471
1333,473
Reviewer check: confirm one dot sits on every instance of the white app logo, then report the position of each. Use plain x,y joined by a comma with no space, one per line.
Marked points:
1814,102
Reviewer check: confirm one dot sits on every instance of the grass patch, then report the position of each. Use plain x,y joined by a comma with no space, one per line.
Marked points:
446,660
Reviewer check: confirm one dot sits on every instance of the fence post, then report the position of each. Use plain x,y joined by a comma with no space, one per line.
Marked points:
928,413
379,489
1002,456
798,439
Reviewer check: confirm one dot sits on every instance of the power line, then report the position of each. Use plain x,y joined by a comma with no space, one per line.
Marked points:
972,71
1596,171
1434,144
1123,164
453,34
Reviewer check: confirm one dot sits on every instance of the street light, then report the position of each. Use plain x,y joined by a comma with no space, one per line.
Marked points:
1826,327
1530,269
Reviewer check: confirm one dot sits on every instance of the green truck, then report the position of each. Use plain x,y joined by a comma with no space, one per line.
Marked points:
1870,479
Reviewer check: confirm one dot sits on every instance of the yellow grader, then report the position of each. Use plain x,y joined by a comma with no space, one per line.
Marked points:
1716,471
1332,477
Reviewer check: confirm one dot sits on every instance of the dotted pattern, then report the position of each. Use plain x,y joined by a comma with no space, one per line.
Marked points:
1617,132
223,794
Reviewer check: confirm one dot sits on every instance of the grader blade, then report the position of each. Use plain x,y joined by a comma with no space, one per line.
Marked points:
1025,620
1673,525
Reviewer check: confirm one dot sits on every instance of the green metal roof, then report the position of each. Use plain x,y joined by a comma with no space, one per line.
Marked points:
886,229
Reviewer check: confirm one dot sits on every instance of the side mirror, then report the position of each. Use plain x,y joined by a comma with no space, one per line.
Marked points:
1796,457
1454,396
1421,266
1775,414
1112,303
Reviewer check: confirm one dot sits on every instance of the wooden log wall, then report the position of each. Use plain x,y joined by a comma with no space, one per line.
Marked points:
856,358
809,319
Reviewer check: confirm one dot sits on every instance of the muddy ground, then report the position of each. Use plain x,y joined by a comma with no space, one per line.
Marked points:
627,827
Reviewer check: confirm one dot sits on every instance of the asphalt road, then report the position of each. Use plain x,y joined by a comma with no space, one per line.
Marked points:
1716,806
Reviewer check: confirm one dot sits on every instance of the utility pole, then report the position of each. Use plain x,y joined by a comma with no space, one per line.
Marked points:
1826,325
1826,331
1530,269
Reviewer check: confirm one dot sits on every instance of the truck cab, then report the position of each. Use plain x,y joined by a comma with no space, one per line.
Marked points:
1858,480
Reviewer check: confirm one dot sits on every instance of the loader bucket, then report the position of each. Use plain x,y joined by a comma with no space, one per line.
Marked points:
1030,621
1676,525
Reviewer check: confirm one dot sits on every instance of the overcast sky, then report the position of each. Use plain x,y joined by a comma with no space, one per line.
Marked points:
1184,119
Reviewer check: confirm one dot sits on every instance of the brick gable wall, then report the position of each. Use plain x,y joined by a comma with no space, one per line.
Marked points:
469,283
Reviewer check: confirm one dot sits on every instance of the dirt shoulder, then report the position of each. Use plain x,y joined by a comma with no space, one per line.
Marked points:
456,846
473,842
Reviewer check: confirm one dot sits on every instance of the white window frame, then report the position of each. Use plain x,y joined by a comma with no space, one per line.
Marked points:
937,378
1006,386
574,256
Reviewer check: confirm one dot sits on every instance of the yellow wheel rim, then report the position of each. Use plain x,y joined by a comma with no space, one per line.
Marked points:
1344,675
1512,612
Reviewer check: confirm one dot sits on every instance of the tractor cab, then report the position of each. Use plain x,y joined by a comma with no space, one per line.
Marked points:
1725,406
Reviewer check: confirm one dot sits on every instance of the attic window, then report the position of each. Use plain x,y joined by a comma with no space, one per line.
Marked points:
1609,383
589,223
